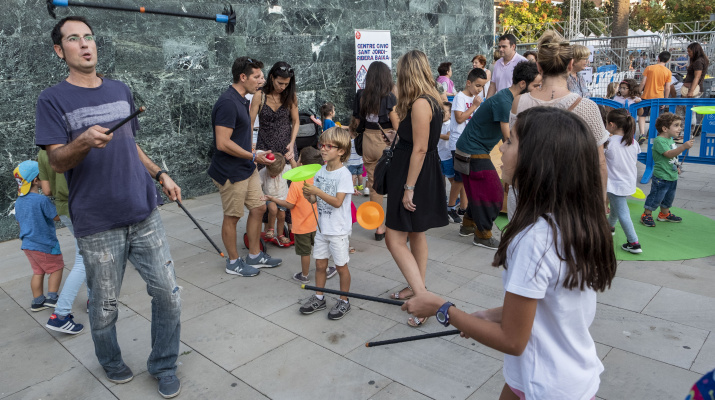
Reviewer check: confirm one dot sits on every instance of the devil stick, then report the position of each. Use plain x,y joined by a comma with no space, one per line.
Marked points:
125,120
200,228
412,338
228,16
354,295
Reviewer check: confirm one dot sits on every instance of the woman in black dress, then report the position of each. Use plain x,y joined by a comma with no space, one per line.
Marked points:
415,183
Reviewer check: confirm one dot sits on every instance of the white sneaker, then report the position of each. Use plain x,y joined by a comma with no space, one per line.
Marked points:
366,191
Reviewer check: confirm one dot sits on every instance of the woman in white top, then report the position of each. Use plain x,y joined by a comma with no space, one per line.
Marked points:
557,253
479,61
555,61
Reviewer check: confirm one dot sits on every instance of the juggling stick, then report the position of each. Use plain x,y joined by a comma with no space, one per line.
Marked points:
412,338
125,120
200,228
354,295
228,16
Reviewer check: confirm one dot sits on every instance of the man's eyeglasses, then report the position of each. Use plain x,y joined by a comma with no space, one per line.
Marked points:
326,146
76,39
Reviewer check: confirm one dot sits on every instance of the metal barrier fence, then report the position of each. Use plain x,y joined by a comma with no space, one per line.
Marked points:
707,143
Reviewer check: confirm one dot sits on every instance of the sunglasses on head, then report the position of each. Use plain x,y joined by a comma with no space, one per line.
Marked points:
286,69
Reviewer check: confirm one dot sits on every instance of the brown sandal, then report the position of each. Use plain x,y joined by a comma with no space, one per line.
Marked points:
270,233
397,296
283,240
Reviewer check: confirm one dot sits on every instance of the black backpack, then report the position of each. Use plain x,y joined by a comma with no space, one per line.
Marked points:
308,132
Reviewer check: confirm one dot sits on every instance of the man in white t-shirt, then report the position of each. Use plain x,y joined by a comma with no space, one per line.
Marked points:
504,67
465,103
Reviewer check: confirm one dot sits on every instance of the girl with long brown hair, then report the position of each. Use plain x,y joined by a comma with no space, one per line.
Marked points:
557,252
415,183
375,108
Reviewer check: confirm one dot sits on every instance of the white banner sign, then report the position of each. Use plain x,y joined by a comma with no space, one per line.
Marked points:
370,46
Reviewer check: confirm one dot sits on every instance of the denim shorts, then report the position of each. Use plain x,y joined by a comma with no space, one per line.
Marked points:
661,194
355,169
448,168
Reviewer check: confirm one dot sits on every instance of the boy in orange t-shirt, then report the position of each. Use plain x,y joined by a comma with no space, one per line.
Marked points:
655,85
303,215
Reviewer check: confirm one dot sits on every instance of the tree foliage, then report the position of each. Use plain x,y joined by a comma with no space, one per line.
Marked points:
689,10
535,12
648,15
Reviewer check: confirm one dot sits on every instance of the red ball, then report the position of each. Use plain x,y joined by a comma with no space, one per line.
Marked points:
270,157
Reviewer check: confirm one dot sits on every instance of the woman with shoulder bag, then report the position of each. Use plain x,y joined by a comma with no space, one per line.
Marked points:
415,183
375,105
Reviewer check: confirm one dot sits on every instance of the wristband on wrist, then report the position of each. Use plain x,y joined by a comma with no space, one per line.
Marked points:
158,174
254,157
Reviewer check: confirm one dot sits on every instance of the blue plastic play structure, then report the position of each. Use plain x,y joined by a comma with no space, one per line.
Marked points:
707,143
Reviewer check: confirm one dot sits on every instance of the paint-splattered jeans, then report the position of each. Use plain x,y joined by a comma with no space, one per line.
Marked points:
105,257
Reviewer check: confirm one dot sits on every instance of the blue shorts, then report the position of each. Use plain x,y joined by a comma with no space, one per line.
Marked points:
457,176
355,169
447,168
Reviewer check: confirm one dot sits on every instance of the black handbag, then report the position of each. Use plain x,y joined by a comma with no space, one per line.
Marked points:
379,184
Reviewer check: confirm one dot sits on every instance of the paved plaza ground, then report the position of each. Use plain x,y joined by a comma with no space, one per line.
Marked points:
243,338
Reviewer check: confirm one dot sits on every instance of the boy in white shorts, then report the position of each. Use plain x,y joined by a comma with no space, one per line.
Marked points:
332,190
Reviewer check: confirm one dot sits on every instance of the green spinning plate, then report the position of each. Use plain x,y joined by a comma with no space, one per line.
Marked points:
302,173
704,109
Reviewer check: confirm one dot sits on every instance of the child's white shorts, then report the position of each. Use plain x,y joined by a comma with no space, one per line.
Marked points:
337,246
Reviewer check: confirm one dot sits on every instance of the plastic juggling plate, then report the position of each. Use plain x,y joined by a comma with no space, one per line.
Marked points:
302,173
639,194
370,215
704,109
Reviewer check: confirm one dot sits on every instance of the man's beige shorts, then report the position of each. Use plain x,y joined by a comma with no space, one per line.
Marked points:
234,196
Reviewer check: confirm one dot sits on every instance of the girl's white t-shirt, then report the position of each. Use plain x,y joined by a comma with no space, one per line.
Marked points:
443,144
335,221
621,163
560,360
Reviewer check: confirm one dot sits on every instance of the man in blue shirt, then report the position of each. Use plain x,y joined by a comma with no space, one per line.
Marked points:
113,201
489,125
233,168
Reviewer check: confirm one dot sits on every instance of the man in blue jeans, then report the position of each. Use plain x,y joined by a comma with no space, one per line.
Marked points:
112,201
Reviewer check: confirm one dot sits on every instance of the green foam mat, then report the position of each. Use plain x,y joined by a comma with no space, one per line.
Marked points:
692,238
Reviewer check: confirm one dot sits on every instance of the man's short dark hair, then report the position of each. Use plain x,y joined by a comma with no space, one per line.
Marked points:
524,71
244,65
56,31
664,56
443,68
511,38
476,73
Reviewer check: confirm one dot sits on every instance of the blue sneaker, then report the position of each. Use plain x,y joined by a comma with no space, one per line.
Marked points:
64,325
121,375
169,386
263,261
240,268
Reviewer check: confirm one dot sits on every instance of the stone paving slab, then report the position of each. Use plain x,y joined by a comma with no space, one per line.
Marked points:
432,367
658,339
628,294
683,307
630,376
301,369
705,361
76,383
231,336
200,379
31,358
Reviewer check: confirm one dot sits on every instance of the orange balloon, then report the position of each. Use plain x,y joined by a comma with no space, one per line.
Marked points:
370,215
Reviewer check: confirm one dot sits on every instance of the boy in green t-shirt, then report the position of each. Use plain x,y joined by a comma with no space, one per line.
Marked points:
666,169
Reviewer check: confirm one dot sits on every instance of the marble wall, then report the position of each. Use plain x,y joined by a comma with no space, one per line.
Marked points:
177,67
